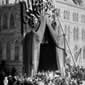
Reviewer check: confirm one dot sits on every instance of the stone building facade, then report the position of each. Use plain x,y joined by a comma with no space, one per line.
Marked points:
10,36
72,19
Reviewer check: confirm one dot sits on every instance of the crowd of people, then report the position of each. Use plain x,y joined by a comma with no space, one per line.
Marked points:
5,73
74,75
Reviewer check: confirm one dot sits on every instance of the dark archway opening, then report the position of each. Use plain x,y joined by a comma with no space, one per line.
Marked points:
47,60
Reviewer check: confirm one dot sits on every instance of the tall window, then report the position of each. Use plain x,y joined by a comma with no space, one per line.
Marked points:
75,17
8,50
17,50
83,18
75,33
0,50
0,23
83,34
84,53
65,29
67,32
66,14
12,22
5,21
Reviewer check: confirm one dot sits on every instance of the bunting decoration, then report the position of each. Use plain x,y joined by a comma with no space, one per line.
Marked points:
33,13
34,10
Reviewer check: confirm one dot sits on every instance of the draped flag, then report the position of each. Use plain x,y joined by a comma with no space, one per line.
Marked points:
77,53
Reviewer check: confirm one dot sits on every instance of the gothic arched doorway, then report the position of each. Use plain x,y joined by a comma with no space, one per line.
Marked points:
47,60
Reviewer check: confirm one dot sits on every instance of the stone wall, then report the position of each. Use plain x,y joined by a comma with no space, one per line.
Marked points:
10,35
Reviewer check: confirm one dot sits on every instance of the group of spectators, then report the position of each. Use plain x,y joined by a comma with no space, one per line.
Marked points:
74,76
5,73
